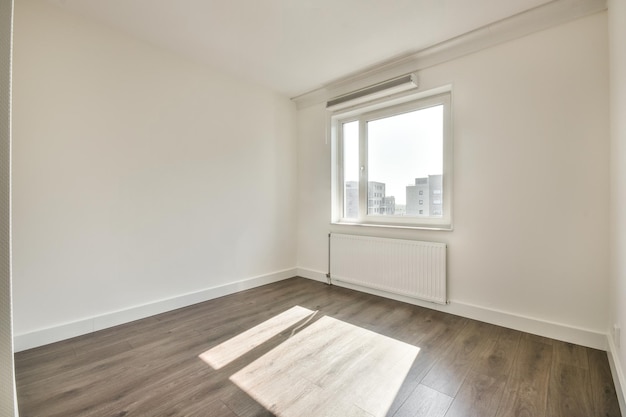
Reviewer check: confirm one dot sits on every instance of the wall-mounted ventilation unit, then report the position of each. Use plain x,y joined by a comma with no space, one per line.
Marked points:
386,88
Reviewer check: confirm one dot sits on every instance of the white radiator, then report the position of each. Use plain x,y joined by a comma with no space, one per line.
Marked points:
406,267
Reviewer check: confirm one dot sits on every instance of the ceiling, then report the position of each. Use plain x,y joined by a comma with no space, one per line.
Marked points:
295,46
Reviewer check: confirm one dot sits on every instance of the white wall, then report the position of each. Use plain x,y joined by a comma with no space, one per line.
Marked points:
531,179
138,176
7,382
617,48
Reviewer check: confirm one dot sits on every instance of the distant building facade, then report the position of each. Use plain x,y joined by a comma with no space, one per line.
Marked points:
389,205
425,198
375,197
377,202
351,200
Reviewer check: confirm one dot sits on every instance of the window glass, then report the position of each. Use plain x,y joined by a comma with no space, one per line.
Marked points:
350,139
401,149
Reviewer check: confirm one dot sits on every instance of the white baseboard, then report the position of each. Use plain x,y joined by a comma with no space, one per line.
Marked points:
563,332
618,375
68,330
584,337
311,274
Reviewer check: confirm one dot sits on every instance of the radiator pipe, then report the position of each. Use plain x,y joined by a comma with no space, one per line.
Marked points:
328,273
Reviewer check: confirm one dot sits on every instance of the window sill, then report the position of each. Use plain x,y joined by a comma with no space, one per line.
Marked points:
443,228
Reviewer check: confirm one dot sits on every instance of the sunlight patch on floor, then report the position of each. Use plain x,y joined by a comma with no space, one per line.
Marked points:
224,353
331,368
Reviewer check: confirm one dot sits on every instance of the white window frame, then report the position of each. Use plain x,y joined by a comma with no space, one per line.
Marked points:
377,109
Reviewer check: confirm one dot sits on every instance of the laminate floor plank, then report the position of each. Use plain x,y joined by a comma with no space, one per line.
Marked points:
425,402
181,393
481,392
243,405
571,354
303,348
102,365
448,374
118,377
433,334
38,359
422,364
527,387
479,396
52,369
215,408
602,387
569,393
497,360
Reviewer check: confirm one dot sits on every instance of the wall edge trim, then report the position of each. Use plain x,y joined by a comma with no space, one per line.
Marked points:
558,331
616,372
65,331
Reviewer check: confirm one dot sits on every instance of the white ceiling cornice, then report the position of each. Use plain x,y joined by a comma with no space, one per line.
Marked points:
534,20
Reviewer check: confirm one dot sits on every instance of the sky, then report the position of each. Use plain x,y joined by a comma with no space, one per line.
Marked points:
400,148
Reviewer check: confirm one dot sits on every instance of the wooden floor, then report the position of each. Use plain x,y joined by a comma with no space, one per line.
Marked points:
302,348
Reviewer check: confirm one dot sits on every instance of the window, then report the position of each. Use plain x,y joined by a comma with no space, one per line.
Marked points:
389,159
